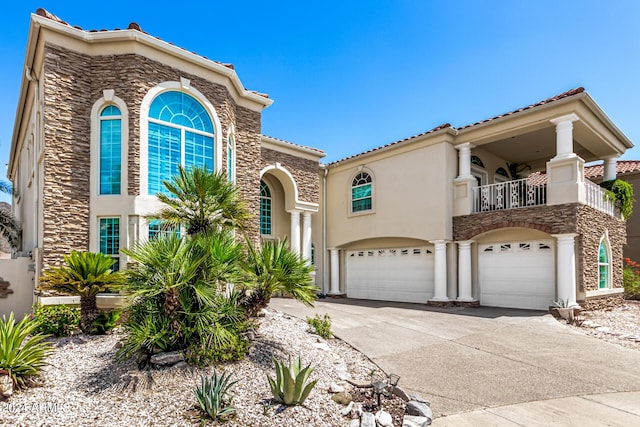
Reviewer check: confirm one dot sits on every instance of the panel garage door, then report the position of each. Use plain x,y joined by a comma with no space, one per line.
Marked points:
517,274
398,274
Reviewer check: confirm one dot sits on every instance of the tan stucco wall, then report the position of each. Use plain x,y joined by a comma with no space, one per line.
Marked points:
632,249
491,163
16,272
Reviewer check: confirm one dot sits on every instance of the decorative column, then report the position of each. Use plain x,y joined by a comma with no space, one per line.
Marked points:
294,237
306,236
564,136
566,268
440,272
465,182
610,168
464,271
335,272
464,160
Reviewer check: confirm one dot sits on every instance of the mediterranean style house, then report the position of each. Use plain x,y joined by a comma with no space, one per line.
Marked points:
447,216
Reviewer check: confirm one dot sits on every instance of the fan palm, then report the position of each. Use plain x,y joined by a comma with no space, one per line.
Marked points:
86,274
203,201
9,225
275,268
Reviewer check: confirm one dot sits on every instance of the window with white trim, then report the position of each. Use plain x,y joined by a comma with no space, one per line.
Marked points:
361,193
181,132
231,158
604,264
109,237
110,149
265,209
158,228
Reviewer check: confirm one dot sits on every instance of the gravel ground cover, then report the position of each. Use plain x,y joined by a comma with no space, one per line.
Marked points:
618,325
85,386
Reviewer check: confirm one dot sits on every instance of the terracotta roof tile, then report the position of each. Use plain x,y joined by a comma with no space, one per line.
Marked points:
295,145
592,172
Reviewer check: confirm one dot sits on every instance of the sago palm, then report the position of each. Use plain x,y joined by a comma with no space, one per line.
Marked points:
203,201
85,275
273,267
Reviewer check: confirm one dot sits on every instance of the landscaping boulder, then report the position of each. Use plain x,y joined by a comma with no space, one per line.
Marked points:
167,359
360,383
6,384
342,398
368,420
335,388
419,409
414,421
384,419
397,391
419,398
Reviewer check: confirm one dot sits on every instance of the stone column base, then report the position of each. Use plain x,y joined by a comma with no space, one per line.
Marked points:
438,303
467,304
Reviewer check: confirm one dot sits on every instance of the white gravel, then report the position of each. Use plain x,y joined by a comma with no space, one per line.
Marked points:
85,386
619,325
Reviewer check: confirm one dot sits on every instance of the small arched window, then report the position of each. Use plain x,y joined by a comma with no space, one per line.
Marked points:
475,160
110,149
604,264
231,158
361,194
502,172
265,209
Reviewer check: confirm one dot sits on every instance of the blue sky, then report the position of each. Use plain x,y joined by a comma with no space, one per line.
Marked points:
347,76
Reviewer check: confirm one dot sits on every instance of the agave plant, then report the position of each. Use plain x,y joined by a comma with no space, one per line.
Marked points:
290,385
212,394
22,352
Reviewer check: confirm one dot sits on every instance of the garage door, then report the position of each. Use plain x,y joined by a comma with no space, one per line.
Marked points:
517,274
396,274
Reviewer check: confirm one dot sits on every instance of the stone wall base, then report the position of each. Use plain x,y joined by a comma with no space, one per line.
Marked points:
602,303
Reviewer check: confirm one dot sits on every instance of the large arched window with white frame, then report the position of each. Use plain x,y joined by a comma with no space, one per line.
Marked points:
110,150
266,228
181,132
604,264
361,192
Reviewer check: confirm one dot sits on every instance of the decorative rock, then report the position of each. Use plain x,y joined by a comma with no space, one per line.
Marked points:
397,391
360,383
181,365
322,346
384,419
118,345
167,359
342,398
347,410
335,388
368,420
419,408
357,411
418,398
413,421
6,384
603,329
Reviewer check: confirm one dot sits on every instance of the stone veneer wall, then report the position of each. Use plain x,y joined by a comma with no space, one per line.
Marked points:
73,82
589,223
304,171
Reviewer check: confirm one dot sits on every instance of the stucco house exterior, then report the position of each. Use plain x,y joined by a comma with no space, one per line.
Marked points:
447,216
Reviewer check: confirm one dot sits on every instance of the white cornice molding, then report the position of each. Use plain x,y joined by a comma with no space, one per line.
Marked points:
274,144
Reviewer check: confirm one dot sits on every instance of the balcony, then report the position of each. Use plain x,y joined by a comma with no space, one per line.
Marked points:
514,194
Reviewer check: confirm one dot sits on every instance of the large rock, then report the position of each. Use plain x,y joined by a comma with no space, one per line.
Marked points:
397,391
413,421
167,359
384,419
419,408
360,383
368,420
342,398
6,384
418,398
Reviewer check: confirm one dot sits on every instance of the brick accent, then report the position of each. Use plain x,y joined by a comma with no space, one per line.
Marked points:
305,172
72,84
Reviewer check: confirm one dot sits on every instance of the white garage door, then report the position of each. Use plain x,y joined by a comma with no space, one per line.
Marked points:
517,274
399,274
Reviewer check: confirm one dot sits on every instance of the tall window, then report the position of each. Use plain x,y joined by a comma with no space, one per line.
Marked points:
361,193
180,133
604,265
110,239
110,149
265,209
157,228
230,157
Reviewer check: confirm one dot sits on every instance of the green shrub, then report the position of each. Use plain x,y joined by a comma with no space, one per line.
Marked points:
231,351
106,321
22,351
631,279
212,395
58,320
290,385
622,195
321,325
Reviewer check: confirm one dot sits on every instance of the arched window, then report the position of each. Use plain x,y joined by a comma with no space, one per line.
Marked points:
265,209
110,149
475,160
502,172
604,264
180,133
361,194
231,158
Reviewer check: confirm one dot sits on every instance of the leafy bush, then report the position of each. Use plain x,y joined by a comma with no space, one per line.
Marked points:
212,394
231,351
58,320
631,279
105,321
290,385
321,325
622,195
22,351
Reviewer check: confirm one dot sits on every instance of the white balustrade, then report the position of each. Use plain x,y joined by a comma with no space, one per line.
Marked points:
518,193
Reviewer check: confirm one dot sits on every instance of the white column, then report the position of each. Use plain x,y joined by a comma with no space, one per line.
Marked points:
610,168
440,271
306,235
464,271
564,136
464,160
294,237
566,268
335,272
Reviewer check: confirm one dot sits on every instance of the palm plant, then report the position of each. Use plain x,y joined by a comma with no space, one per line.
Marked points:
275,268
22,351
86,274
9,225
203,200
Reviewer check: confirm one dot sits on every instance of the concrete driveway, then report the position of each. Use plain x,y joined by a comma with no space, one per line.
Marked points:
470,359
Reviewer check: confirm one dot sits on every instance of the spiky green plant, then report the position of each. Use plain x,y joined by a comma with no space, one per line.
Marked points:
86,274
290,385
22,352
212,395
105,321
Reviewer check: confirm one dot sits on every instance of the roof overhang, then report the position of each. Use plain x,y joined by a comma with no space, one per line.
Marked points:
281,146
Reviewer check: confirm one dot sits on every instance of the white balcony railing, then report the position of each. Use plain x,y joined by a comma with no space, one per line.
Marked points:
508,195
596,199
